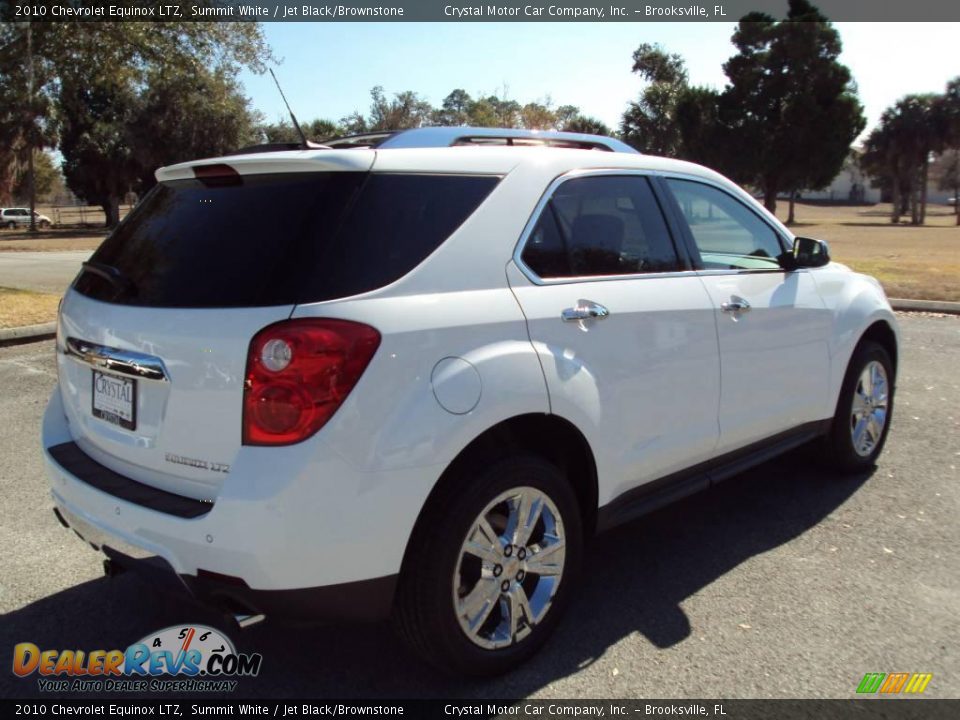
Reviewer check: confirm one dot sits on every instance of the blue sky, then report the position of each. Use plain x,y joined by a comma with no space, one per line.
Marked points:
327,69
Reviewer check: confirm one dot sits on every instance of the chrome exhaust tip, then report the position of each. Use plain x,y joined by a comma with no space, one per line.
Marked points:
245,621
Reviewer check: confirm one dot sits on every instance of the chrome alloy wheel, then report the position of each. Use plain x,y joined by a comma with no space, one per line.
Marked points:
510,566
868,415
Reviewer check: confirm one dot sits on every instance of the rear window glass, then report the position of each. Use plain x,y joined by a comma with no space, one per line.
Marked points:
262,240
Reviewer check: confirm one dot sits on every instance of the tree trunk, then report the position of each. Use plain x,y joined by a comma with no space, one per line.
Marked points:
914,201
32,188
111,210
770,196
895,212
790,216
924,178
956,185
956,202
31,180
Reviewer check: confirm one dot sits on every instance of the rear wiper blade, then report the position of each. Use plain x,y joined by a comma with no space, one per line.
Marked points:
111,274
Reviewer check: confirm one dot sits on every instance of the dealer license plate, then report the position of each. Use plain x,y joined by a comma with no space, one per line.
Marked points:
115,399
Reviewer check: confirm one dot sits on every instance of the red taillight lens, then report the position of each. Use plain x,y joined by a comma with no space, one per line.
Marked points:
298,374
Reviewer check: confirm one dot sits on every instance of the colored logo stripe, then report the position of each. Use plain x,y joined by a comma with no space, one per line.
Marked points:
894,683
918,683
870,683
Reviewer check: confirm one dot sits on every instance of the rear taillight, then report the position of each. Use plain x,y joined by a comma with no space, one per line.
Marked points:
298,374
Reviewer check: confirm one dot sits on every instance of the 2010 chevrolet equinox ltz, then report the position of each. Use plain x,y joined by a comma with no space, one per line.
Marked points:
412,373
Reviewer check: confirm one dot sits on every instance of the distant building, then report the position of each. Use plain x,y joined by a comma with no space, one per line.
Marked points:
851,185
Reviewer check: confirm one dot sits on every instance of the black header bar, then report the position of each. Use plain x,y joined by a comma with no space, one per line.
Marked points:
461,10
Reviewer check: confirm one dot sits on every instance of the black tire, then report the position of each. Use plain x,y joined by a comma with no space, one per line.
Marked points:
840,452
43,225
11,225
424,613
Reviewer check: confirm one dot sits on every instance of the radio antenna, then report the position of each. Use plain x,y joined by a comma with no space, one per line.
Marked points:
303,138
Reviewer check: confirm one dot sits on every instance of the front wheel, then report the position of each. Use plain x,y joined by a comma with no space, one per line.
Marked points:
864,409
491,567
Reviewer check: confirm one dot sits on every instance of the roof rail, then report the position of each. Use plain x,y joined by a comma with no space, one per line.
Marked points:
442,136
429,137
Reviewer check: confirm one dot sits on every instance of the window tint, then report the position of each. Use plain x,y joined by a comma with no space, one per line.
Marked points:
727,232
606,225
258,240
395,223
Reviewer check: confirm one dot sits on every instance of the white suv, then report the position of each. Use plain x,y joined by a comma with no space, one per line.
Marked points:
425,382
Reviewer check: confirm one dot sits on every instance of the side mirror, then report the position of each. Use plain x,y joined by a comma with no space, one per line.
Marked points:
806,253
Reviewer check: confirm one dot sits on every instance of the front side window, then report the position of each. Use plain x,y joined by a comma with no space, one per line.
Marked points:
728,234
600,225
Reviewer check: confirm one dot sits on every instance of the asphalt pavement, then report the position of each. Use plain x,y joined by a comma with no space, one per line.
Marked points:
787,581
49,272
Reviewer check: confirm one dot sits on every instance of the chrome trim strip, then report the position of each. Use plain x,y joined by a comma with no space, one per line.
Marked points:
122,362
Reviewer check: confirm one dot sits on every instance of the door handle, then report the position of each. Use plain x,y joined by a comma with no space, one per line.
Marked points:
736,305
584,310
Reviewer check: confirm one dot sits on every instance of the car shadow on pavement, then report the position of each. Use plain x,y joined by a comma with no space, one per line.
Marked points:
636,579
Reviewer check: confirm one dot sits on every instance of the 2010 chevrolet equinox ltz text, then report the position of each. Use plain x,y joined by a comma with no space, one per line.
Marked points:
412,373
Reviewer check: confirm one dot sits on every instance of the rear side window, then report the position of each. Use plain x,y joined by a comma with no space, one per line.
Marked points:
601,225
258,240
396,222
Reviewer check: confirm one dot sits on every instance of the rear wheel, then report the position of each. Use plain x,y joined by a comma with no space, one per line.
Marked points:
491,567
864,409
11,225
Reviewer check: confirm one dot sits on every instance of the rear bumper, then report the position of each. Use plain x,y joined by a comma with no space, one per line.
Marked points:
364,600
295,532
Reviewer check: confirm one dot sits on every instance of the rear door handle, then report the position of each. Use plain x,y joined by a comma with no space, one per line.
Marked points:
736,305
584,310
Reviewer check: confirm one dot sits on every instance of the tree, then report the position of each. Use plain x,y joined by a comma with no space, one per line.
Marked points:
321,129
115,134
704,136
566,114
406,110
648,123
354,124
115,60
282,131
506,113
96,119
584,124
482,113
950,105
24,112
537,116
186,113
455,109
898,151
47,178
791,106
